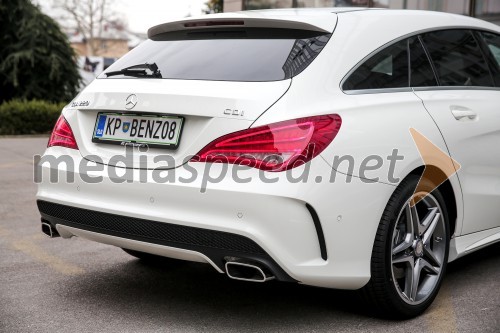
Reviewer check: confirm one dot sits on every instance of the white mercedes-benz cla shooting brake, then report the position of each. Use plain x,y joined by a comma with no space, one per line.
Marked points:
338,148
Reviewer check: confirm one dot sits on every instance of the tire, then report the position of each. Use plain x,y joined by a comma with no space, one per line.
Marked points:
152,258
403,246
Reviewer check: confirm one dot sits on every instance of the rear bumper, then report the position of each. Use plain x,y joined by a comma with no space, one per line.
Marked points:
214,246
273,220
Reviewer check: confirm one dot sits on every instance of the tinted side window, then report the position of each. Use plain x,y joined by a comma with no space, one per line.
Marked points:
386,69
492,42
457,58
421,74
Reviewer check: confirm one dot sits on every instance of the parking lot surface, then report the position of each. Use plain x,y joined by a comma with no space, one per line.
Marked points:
57,285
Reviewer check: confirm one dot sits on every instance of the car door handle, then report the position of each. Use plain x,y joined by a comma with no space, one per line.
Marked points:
461,113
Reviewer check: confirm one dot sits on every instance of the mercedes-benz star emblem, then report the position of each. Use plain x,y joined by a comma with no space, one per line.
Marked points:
130,102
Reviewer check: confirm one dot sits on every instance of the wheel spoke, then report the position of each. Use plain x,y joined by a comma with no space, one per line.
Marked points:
417,269
430,268
404,258
406,243
409,220
409,277
429,224
429,254
415,220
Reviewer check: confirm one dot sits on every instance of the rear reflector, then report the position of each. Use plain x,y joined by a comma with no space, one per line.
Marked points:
274,147
62,135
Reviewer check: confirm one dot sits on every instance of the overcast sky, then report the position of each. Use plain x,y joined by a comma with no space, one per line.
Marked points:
143,14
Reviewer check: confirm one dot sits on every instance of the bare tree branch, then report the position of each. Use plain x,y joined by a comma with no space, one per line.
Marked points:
90,18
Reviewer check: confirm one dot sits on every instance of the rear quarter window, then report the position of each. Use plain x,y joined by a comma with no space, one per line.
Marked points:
386,69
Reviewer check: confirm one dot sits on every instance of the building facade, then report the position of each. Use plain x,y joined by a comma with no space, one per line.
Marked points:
106,47
488,10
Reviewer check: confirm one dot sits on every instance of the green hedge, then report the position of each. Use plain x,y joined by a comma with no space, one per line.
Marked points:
28,117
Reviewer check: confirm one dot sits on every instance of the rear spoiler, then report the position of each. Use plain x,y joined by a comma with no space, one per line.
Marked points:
233,22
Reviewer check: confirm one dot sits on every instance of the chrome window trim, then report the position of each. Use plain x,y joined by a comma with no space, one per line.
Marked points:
455,88
377,91
412,89
413,34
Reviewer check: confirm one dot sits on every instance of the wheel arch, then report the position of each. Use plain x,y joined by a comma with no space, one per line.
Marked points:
446,189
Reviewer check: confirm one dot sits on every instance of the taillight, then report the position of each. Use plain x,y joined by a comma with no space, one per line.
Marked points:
213,23
62,135
274,147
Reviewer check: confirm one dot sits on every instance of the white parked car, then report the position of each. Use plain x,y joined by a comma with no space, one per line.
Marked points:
288,145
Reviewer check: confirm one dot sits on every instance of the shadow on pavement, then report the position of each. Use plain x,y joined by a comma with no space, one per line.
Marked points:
199,295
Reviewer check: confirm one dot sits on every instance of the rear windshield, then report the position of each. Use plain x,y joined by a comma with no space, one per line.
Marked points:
227,57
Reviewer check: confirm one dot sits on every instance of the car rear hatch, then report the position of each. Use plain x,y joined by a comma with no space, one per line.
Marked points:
218,75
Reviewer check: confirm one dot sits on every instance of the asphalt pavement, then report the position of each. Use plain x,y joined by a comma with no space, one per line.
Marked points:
58,285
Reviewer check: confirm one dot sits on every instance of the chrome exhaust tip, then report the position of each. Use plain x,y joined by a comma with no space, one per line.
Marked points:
246,272
49,230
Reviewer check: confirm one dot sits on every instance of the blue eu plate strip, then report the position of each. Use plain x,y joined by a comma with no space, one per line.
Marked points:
100,126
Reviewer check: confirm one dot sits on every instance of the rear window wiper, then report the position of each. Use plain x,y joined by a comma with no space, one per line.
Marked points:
138,71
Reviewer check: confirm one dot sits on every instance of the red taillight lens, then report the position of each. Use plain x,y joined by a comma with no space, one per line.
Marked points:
62,135
275,147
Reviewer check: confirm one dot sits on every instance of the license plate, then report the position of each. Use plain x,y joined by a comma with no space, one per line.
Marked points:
156,131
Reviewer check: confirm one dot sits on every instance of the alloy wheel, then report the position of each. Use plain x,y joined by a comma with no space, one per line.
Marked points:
418,248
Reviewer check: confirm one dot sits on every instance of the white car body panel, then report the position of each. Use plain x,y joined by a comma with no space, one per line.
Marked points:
472,143
466,244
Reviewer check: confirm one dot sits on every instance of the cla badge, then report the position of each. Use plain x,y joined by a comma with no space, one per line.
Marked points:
131,102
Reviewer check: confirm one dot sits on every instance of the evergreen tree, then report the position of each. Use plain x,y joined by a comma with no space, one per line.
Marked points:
36,60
